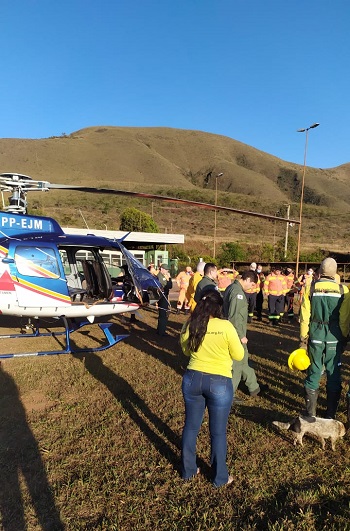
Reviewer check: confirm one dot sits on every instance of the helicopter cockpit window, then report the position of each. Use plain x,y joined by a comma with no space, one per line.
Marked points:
112,260
37,262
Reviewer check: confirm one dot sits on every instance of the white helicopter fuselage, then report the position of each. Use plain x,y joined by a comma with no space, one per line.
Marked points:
35,282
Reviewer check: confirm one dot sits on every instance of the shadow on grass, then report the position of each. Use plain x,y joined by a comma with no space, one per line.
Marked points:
166,442
166,349
294,500
20,457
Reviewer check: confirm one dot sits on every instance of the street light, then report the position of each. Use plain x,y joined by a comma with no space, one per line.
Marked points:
306,131
216,202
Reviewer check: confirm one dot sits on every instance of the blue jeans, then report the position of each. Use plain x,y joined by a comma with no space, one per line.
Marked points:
201,390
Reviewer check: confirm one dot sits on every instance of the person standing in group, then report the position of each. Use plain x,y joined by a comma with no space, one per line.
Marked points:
260,293
323,337
235,309
183,280
224,278
233,272
303,281
212,343
208,281
275,288
344,322
289,296
301,284
194,281
152,270
251,294
163,303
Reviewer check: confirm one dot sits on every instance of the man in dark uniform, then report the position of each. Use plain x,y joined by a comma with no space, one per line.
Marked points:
163,303
208,282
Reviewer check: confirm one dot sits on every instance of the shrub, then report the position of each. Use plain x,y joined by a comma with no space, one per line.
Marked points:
133,219
232,252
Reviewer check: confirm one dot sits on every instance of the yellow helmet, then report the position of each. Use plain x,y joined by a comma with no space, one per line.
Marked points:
299,360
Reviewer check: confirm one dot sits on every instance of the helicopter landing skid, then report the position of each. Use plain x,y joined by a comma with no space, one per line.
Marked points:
111,340
36,331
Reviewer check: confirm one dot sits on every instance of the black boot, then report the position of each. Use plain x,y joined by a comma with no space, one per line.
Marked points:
333,398
311,396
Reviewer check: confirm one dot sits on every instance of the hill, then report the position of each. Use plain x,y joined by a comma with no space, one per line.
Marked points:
170,161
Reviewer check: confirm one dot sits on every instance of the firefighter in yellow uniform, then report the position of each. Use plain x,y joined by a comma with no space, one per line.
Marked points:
275,288
183,280
194,281
225,277
289,297
260,293
344,322
303,282
251,294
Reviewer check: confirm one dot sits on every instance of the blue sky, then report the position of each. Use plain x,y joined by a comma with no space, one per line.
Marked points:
255,71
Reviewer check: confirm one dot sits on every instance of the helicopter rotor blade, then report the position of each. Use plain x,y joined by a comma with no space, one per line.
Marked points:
208,206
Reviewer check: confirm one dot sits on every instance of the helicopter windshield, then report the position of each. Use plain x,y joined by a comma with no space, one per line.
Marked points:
37,262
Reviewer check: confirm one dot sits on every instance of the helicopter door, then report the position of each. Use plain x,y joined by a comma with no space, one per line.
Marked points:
39,274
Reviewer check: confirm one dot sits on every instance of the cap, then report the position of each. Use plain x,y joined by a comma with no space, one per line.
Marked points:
200,267
253,266
328,267
165,266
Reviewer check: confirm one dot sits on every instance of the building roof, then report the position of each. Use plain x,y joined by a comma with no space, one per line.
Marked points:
135,238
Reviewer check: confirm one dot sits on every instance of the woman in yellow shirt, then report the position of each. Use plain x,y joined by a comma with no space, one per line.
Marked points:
212,343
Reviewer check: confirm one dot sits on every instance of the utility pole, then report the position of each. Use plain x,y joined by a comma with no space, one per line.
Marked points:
287,228
274,235
215,212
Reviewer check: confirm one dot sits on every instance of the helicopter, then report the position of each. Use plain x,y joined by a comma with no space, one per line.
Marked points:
46,273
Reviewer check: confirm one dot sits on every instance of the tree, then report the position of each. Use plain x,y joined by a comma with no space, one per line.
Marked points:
267,252
291,249
313,256
133,219
232,252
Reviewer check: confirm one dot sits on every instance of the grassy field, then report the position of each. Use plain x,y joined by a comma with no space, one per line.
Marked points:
93,441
